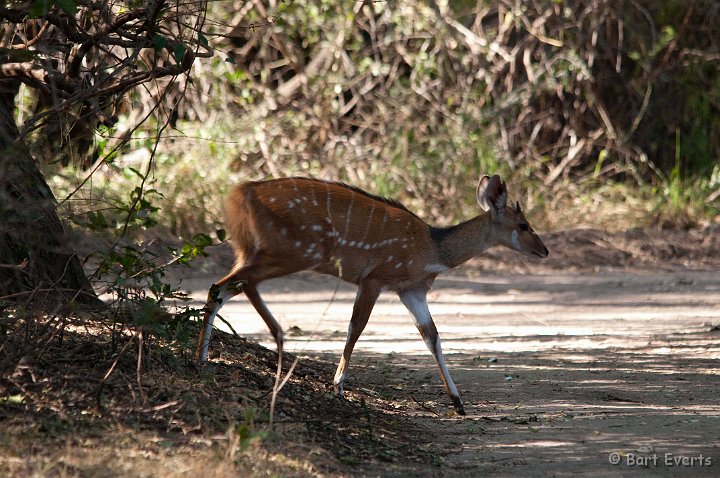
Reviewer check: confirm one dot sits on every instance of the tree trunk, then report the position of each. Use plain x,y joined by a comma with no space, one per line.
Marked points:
36,260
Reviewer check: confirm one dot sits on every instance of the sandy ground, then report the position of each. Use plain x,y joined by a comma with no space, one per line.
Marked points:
601,360
610,373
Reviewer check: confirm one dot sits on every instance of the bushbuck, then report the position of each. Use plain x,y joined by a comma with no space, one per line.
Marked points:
282,226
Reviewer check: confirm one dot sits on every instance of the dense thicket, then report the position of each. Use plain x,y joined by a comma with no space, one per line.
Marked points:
560,87
418,97
75,61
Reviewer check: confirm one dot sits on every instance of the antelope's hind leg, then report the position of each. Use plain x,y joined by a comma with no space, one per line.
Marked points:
242,279
220,292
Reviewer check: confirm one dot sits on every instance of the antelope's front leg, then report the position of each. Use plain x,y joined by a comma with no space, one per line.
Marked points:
365,299
416,303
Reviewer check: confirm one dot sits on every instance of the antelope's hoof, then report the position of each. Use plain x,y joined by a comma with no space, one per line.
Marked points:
459,409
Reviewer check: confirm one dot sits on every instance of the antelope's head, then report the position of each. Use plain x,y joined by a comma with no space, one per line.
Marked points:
510,228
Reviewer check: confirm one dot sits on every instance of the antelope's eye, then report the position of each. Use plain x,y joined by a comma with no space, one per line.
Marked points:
523,227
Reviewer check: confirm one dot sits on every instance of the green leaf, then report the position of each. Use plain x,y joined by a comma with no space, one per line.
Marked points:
39,8
14,399
180,52
137,173
159,42
202,240
70,6
203,40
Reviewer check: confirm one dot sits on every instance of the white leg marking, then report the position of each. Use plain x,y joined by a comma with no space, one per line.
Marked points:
208,332
224,297
416,303
443,368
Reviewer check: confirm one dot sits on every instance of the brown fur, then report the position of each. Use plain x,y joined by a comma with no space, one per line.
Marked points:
282,226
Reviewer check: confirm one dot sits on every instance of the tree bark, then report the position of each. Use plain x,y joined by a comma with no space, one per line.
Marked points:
36,260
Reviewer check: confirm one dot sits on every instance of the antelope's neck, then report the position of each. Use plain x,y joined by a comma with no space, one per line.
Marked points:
461,242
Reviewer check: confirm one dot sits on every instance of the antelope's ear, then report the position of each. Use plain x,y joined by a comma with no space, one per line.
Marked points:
491,194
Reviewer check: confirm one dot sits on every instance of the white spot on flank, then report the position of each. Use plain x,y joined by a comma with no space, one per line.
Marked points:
436,268
273,200
298,243
283,231
352,244
291,204
303,227
317,227
404,246
389,258
317,255
297,200
366,247
398,265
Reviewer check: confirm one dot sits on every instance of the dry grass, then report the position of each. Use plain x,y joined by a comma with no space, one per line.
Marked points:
61,418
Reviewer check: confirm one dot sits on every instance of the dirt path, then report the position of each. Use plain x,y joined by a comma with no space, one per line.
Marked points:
557,371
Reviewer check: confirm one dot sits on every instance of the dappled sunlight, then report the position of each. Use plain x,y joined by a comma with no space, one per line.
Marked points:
539,444
552,369
503,313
